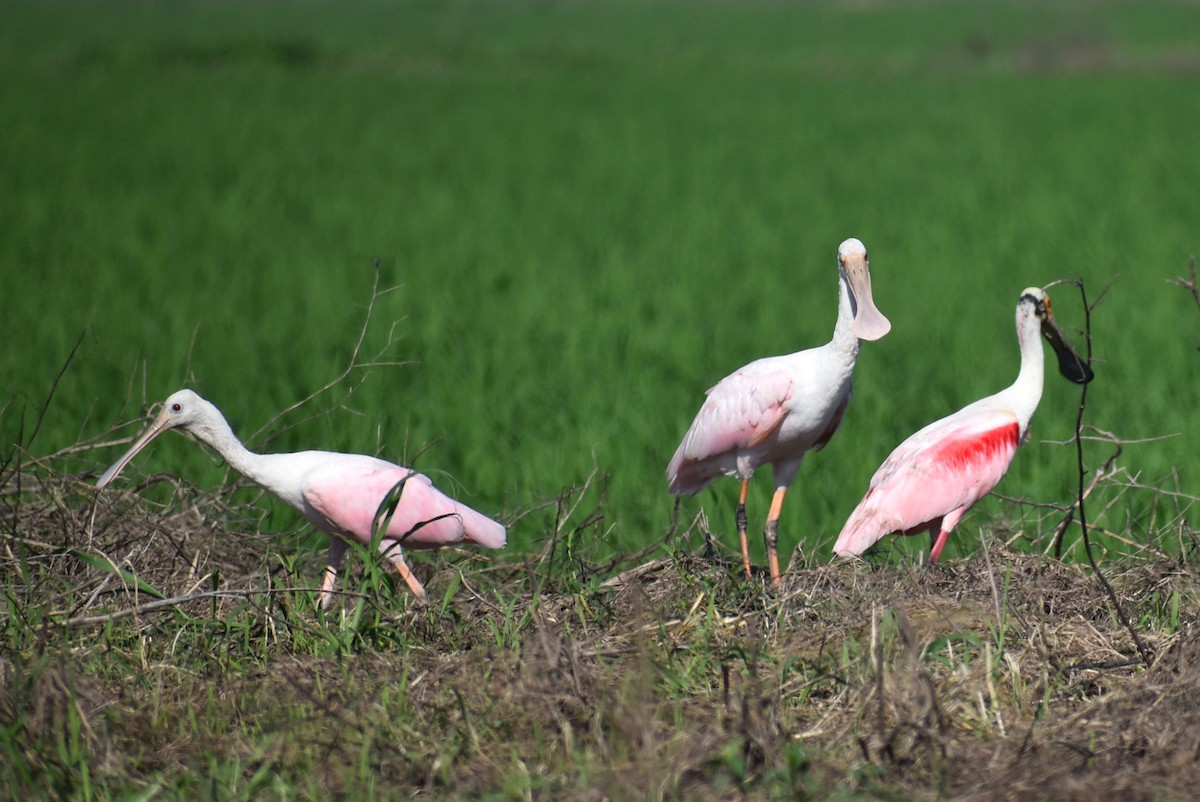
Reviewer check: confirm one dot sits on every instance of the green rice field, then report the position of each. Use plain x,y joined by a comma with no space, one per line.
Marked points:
592,212
512,244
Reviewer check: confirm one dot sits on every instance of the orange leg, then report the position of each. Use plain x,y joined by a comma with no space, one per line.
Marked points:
741,526
410,579
771,533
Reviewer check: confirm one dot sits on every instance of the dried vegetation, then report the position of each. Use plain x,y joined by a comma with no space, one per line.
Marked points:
165,649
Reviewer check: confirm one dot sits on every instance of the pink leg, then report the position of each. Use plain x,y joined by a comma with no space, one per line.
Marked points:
337,548
937,544
947,525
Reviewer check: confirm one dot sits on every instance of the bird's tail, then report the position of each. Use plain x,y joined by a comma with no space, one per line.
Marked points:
862,530
686,477
482,530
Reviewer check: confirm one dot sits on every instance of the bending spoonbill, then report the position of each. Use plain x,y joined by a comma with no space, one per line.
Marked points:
337,493
776,409
937,474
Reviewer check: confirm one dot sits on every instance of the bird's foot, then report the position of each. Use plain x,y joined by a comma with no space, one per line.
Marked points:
325,595
771,536
411,580
740,520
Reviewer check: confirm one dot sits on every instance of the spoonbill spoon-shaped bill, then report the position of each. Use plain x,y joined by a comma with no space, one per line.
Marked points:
338,493
775,410
936,475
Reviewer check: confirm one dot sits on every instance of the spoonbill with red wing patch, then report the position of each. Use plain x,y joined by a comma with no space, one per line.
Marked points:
936,475
337,493
775,410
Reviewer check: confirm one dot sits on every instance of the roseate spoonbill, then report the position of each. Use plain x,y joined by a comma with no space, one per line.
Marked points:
776,409
937,474
337,493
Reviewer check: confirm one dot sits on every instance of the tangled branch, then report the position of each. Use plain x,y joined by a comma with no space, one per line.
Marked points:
1084,488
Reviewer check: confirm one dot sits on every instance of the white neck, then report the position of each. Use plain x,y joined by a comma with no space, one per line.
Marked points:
844,339
216,431
1025,393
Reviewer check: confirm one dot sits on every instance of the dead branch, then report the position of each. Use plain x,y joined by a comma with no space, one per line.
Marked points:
1190,284
1082,490
1100,473
362,367
166,604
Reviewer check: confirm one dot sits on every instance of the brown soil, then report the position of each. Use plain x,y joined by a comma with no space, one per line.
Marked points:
1006,676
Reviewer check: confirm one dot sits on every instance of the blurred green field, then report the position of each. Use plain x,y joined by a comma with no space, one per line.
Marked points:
593,212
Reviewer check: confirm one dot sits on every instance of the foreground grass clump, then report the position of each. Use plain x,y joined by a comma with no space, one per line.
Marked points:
593,212
166,655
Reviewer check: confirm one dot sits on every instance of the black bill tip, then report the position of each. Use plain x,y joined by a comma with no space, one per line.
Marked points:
1070,364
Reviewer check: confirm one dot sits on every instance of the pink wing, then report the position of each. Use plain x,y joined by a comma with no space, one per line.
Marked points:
347,493
740,412
945,467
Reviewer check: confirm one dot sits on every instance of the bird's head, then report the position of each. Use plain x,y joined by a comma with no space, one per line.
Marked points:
1035,302
869,322
182,410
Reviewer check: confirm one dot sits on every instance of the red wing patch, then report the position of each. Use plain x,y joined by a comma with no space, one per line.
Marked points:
956,454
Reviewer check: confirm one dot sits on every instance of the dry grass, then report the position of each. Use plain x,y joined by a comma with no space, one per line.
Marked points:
553,678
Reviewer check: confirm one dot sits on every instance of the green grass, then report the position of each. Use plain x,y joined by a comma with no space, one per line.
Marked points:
593,212
687,683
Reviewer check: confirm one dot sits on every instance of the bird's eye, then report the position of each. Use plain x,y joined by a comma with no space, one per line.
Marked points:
176,407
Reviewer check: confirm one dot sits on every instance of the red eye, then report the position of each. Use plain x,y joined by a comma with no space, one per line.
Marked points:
176,407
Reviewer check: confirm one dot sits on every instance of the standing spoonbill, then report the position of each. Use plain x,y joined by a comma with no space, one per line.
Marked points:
937,474
776,409
337,493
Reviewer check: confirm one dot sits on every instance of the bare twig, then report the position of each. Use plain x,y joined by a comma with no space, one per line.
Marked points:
1190,283
1103,471
22,444
53,388
1102,436
354,366
175,601
1082,490
637,572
